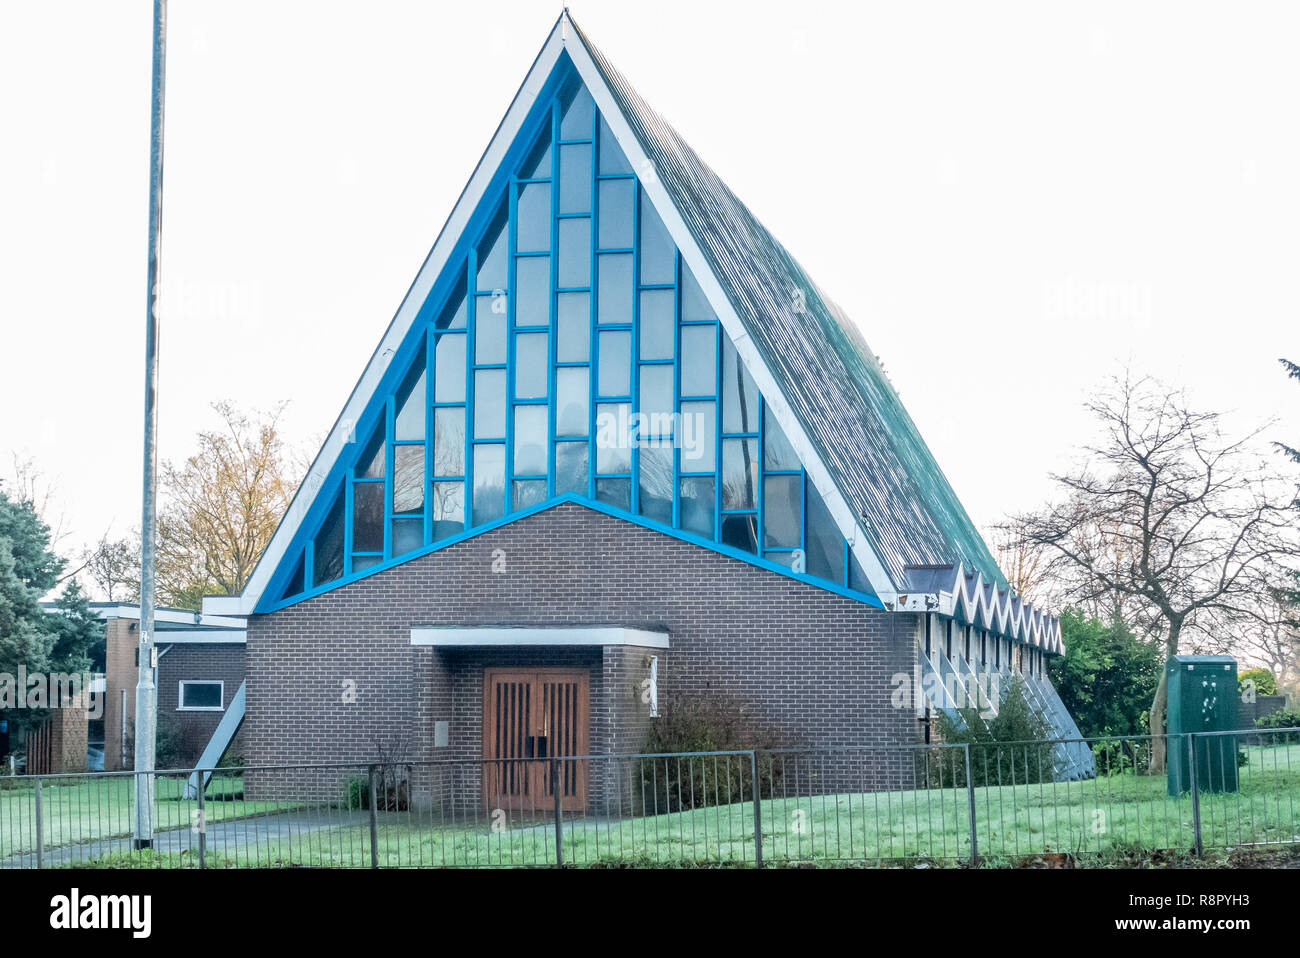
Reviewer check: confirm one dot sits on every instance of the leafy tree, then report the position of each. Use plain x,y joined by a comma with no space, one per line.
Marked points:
222,506
30,637
1107,676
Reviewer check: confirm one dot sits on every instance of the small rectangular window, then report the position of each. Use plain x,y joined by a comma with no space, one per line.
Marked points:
196,696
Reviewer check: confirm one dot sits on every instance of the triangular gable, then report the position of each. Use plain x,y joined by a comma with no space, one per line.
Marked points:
875,540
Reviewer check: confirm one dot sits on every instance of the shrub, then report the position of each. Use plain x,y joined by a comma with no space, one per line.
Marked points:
1006,748
717,722
1282,718
1265,683
392,790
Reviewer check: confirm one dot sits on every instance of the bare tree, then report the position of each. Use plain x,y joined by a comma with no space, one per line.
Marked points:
222,506
1024,563
114,566
1168,521
29,484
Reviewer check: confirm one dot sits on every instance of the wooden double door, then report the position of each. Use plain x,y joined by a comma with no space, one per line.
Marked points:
531,716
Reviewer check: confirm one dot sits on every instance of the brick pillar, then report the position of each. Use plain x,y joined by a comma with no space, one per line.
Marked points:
68,737
120,674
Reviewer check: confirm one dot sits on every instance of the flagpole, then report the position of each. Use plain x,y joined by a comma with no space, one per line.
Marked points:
146,692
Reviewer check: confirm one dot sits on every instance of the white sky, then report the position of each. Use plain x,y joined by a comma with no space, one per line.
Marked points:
1013,200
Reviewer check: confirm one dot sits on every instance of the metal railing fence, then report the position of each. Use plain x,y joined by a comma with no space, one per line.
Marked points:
833,806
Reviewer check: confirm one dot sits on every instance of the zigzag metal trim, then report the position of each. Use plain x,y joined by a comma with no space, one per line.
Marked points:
982,604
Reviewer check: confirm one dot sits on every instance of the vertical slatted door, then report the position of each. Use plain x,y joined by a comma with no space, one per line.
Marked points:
528,716
565,720
509,780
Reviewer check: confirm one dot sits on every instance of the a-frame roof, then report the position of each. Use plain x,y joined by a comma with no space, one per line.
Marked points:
825,387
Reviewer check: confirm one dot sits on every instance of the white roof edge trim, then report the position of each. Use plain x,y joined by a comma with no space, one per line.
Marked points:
550,635
201,637
763,378
205,618
381,359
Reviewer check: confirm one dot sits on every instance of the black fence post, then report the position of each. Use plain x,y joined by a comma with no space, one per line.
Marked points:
556,787
1196,793
970,802
758,810
374,822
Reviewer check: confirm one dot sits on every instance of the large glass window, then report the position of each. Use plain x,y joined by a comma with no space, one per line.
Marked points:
572,353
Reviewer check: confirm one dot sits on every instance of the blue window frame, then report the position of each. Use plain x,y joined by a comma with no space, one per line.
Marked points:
570,352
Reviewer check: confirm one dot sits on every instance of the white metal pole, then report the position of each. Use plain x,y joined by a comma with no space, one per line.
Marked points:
146,691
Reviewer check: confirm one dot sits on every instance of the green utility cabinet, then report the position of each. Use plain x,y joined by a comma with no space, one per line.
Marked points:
1202,697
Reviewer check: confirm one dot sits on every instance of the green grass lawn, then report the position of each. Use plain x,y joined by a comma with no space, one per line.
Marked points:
76,810
1106,816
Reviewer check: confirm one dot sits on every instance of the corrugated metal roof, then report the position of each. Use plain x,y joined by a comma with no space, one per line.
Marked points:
832,380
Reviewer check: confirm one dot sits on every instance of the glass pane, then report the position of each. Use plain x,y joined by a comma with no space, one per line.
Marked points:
578,114
575,252
741,532
533,291
658,328
614,230
574,310
739,473
614,362
615,492
327,559
695,308
489,330
612,159
409,423
777,451
822,540
408,479
739,394
492,254
368,517
448,509
530,441
528,492
656,400
538,164
531,366
699,360
571,401
453,314
858,579
489,483
201,695
697,506
698,437
370,465
449,441
614,290
786,559
571,468
655,486
575,179
613,438
362,563
408,535
781,506
658,255
449,368
490,404
297,581
533,218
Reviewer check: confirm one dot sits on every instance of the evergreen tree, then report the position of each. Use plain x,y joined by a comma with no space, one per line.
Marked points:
1106,677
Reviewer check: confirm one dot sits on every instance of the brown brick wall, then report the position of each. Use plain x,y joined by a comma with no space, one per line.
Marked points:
812,664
